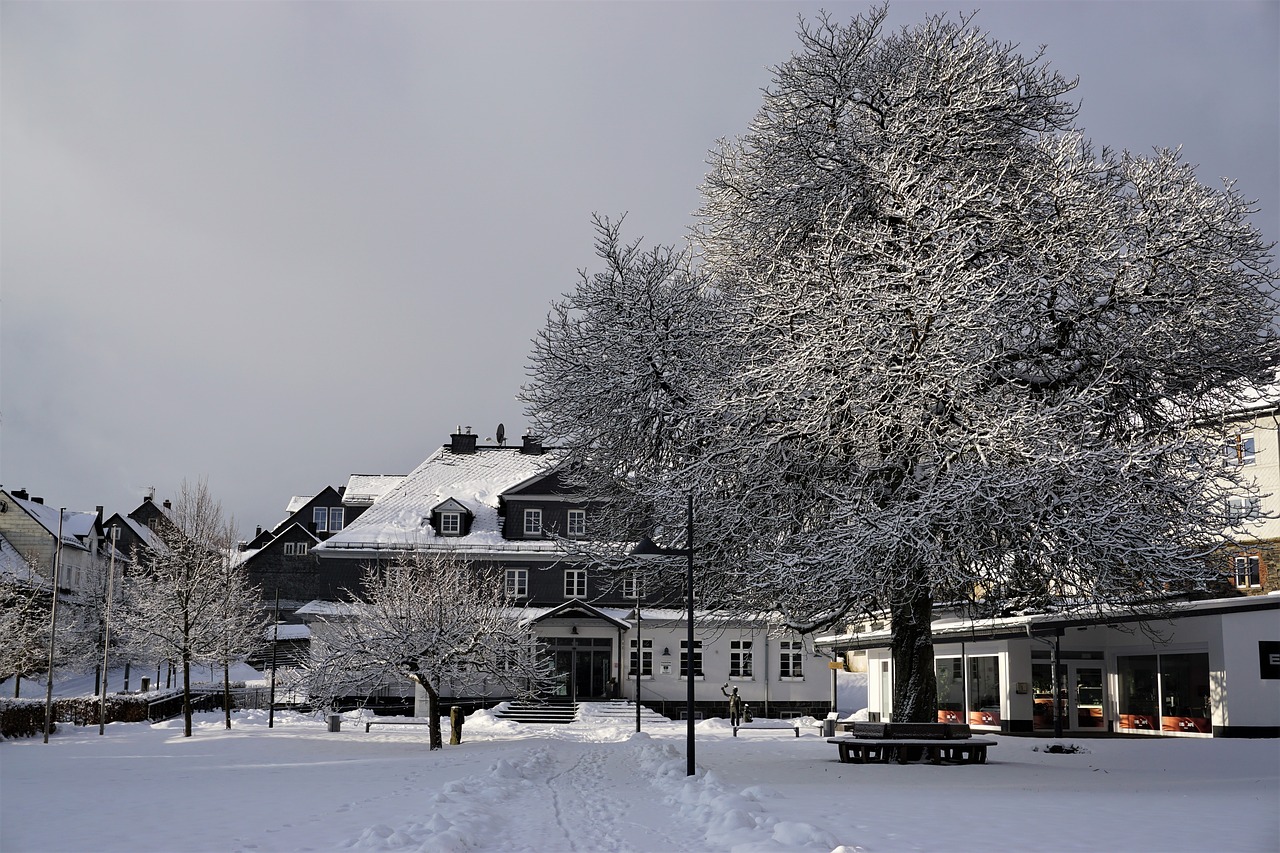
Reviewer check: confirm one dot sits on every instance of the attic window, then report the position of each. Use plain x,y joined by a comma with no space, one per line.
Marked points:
450,524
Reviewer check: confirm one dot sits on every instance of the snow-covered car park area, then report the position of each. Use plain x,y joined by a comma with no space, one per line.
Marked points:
600,786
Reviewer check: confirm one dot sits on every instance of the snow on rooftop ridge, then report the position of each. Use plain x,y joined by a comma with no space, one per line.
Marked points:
364,489
475,480
296,503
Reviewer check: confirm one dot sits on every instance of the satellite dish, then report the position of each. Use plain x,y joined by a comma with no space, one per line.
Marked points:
502,435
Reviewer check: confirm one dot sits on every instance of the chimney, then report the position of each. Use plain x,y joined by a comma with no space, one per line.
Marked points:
168,505
259,533
21,494
38,501
532,444
146,499
463,442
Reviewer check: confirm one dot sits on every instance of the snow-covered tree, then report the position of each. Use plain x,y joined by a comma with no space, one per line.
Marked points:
24,629
242,621
962,356
174,598
433,619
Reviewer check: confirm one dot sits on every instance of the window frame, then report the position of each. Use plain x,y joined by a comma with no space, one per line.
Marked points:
576,523
791,660
1252,564
532,519
447,529
699,671
320,519
646,658
337,518
575,583
633,587
741,660
1240,449
517,583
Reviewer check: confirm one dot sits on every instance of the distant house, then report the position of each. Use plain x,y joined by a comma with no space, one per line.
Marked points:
509,506
280,561
1251,442
32,530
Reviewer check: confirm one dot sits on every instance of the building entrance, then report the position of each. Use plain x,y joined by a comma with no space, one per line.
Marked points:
583,667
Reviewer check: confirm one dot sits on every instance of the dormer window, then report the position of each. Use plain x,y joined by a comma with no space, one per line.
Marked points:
533,522
577,524
320,515
451,518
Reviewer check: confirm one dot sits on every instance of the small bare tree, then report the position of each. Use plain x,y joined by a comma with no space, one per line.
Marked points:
444,623
175,603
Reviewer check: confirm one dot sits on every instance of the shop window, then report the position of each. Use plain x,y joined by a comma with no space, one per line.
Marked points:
1184,693
984,691
950,677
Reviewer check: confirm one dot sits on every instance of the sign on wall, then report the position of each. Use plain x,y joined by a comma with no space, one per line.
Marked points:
1269,658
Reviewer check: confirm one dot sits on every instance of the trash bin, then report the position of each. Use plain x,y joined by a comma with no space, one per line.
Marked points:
335,722
828,728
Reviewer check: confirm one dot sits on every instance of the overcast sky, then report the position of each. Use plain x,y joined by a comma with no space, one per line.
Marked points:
275,244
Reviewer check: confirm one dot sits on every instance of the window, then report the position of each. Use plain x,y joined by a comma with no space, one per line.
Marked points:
984,691
337,515
1239,450
533,522
740,659
1241,507
517,583
320,517
791,664
646,659
1248,570
575,583
295,549
633,587
450,524
577,523
697,659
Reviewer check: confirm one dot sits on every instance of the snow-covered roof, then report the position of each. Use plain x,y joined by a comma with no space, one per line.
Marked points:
285,631
296,503
76,524
148,536
364,489
399,518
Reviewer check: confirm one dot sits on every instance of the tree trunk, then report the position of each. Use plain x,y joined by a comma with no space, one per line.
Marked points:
915,682
433,711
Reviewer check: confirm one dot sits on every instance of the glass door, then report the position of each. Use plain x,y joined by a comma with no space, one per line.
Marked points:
1085,696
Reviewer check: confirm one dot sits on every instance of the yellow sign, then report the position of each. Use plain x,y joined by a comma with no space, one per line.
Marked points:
836,664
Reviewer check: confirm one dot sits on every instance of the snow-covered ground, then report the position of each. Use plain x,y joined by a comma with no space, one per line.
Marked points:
600,786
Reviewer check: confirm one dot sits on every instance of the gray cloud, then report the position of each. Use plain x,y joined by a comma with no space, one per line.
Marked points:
275,244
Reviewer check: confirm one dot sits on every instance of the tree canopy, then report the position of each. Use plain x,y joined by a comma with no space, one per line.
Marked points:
945,349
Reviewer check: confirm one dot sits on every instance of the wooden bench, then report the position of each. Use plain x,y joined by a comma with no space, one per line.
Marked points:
775,725
864,750
396,721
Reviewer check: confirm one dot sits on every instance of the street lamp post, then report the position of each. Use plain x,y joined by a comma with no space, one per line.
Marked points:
106,633
53,630
647,548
